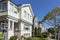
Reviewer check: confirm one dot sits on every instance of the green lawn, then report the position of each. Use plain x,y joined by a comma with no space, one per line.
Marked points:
36,38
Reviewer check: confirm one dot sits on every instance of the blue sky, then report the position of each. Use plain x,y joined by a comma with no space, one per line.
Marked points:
40,7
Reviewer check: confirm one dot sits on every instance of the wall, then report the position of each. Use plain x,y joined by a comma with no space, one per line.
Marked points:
26,31
12,10
26,14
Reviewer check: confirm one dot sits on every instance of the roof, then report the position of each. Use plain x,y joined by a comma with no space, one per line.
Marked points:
40,22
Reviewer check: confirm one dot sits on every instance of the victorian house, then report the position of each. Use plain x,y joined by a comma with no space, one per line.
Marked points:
35,24
15,19
41,26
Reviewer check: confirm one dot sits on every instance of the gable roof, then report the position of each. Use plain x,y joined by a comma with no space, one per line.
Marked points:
27,5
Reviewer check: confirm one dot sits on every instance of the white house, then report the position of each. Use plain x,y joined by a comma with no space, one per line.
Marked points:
41,26
35,24
15,19
35,21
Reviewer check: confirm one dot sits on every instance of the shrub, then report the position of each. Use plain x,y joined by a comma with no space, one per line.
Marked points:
13,38
28,39
45,34
39,35
53,36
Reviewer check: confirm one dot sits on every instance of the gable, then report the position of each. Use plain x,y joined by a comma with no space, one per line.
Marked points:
28,9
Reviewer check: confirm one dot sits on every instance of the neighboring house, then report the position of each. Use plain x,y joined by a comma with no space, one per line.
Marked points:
42,28
35,24
15,19
35,21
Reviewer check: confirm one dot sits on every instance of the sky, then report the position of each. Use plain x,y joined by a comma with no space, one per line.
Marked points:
40,7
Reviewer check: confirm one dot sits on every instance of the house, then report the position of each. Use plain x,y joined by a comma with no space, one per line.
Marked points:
15,19
35,21
35,24
41,26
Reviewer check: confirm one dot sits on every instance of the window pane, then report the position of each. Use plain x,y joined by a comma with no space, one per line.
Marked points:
10,24
0,6
26,27
5,5
24,13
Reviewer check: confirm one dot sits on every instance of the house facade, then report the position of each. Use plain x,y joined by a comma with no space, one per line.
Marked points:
35,24
41,26
35,21
15,19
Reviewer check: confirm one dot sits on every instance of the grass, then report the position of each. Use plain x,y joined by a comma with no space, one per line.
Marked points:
36,38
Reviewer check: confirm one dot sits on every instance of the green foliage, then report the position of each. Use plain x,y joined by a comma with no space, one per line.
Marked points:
51,30
45,34
13,38
37,33
35,38
49,15
53,36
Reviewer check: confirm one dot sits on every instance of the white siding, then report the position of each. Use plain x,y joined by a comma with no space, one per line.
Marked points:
12,9
28,15
26,31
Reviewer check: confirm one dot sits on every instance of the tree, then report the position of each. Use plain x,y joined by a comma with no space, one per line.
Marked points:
52,18
37,32
51,30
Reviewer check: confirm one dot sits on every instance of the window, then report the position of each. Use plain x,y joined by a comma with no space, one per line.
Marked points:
24,13
28,15
3,6
26,27
0,6
10,24
4,25
15,12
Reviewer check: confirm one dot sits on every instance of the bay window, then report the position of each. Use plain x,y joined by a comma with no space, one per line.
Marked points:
3,6
26,27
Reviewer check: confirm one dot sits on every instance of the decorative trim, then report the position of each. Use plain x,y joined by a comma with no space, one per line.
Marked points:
22,20
11,17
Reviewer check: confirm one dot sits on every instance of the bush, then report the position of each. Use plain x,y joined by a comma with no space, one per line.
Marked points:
45,34
28,39
39,35
53,36
13,38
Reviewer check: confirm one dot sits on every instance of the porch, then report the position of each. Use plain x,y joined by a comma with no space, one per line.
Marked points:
8,27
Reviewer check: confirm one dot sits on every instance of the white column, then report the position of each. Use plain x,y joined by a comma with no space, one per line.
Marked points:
8,28
10,31
13,26
8,24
